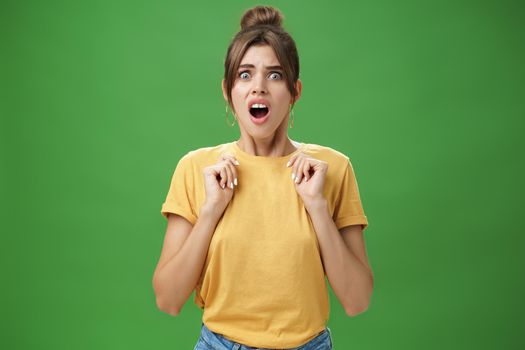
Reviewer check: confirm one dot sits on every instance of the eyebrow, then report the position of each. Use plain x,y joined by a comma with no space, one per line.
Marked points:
248,65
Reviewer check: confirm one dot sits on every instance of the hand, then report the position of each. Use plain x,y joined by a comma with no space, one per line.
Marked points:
309,178
220,180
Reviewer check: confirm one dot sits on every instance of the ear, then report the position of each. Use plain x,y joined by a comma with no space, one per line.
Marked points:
299,89
224,94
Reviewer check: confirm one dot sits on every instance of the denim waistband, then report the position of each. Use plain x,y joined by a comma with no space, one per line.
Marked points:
216,340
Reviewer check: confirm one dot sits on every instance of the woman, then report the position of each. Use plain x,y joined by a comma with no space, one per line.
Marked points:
255,225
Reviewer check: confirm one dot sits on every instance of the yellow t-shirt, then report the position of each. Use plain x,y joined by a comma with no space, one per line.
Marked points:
263,283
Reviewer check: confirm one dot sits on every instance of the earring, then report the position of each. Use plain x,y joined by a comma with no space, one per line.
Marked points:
227,121
292,115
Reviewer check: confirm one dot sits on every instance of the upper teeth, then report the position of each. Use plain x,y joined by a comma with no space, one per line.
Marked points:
258,105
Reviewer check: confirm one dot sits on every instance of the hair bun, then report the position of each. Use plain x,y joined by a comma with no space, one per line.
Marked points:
261,15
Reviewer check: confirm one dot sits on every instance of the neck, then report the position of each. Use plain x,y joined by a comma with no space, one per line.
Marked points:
273,146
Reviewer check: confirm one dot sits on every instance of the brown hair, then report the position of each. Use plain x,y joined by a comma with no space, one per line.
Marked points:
261,25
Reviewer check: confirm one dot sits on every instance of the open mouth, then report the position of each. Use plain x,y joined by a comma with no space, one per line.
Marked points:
259,112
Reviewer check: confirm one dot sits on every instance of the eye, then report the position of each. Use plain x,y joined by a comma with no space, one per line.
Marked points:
273,75
244,73
277,75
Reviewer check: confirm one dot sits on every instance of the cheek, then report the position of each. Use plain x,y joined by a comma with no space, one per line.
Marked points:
240,87
284,96
282,88
235,93
238,92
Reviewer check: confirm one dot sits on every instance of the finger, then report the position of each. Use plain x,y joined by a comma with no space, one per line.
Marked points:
224,178
305,165
229,175
294,169
233,171
299,171
292,160
230,157
234,162
234,174
306,171
215,171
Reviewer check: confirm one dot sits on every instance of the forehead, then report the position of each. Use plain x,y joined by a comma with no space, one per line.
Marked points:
260,55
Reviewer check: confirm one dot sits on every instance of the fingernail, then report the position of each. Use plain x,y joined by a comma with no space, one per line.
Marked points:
236,162
288,164
297,180
231,185
235,181
222,186
293,176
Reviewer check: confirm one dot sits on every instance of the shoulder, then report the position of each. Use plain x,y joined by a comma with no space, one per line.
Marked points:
335,158
204,156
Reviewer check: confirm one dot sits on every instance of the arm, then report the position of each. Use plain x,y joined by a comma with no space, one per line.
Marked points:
344,258
182,258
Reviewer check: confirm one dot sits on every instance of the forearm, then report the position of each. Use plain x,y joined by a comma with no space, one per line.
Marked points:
177,278
350,279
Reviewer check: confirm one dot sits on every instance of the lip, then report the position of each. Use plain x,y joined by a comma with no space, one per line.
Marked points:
259,121
259,100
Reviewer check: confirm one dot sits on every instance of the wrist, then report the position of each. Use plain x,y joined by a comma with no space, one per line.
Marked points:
211,209
316,205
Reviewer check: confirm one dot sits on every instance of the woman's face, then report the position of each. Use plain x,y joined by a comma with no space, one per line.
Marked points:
260,81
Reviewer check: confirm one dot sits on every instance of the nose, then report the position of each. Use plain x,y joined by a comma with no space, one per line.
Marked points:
259,85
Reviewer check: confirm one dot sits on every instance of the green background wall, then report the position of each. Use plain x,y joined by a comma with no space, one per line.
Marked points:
100,99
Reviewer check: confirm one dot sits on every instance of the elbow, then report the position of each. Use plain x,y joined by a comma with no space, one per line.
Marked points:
355,307
172,312
168,309
356,310
161,302
165,306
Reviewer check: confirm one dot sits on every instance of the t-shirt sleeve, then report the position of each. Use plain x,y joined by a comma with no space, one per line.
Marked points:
348,207
179,199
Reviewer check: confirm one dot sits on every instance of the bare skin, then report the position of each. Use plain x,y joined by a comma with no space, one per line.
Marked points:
185,246
271,138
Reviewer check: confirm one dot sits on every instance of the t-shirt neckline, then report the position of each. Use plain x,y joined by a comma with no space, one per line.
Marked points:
243,155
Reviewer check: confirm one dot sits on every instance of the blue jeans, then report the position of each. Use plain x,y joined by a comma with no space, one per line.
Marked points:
209,340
